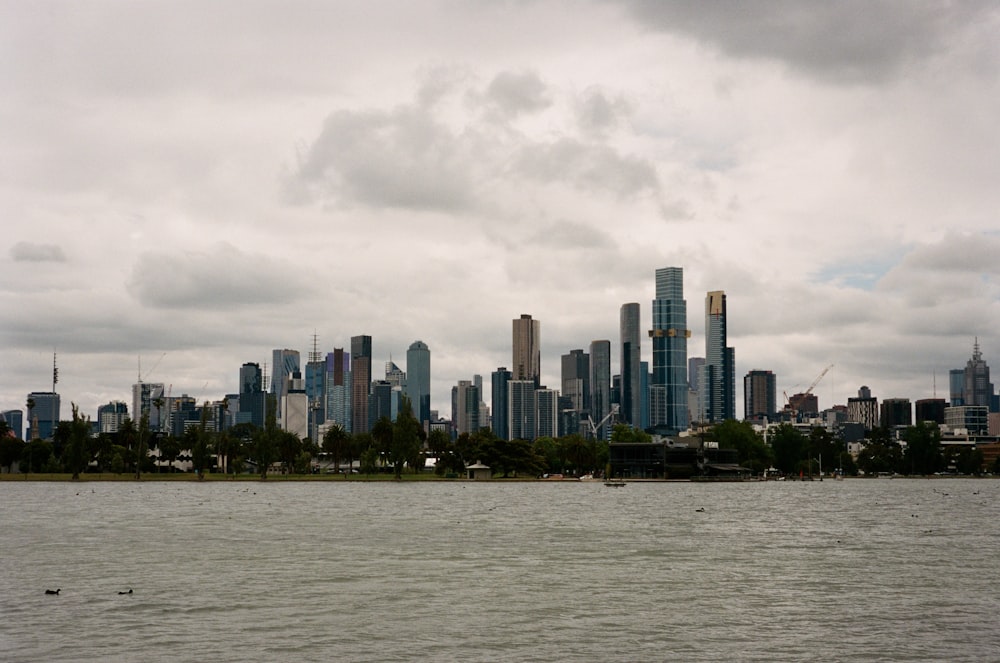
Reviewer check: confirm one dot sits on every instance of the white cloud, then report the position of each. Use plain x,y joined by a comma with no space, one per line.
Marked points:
31,252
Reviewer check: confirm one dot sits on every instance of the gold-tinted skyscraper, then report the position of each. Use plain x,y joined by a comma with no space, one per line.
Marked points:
527,353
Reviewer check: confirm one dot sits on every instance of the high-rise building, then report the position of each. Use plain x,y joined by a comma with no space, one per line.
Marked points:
670,335
500,395
576,379
111,416
930,409
148,400
285,362
418,380
394,375
379,402
521,410
253,400
15,422
760,396
631,365
466,416
546,413
863,409
295,406
315,387
718,384
896,412
338,388
600,386
956,386
527,349
361,379
976,386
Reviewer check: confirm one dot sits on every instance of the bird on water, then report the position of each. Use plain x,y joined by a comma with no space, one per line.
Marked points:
53,591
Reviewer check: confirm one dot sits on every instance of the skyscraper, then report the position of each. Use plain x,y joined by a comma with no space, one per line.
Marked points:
718,384
418,380
500,395
863,409
521,411
252,397
338,388
111,416
600,386
760,395
466,416
147,399
527,349
285,362
361,379
15,422
43,414
976,386
576,379
546,413
631,365
670,335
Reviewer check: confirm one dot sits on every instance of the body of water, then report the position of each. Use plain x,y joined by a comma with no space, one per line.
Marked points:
877,570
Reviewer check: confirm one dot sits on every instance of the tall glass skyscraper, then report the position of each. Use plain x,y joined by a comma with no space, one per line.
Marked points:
670,335
338,388
418,380
252,398
631,365
284,363
500,395
718,384
527,349
361,380
600,386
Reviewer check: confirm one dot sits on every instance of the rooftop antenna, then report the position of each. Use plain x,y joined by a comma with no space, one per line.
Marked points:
315,354
935,383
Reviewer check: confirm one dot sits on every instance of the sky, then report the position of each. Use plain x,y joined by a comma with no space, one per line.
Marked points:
186,186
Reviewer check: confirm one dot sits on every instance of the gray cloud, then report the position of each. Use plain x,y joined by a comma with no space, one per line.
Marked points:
848,41
598,112
590,167
401,158
31,252
224,279
514,93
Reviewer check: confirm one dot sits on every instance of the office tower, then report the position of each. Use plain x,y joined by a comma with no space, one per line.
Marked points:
527,349
576,379
863,409
631,410
645,381
670,335
148,399
379,402
546,413
315,388
500,395
760,396
466,415
600,387
338,388
295,406
394,375
717,387
285,362
931,409
976,386
361,379
521,411
956,386
253,400
974,419
418,380
896,412
111,416
15,422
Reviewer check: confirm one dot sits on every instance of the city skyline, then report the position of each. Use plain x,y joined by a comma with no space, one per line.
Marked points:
198,198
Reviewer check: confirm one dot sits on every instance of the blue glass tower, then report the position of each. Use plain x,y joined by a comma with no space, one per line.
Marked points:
670,335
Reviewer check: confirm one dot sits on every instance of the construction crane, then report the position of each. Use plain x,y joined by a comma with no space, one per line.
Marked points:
595,427
793,402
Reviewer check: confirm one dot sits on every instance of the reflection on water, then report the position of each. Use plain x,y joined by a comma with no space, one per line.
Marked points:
860,569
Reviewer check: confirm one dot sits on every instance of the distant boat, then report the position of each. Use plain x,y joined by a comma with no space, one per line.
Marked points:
615,483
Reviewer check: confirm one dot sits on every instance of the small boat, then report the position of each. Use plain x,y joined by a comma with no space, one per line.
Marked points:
615,483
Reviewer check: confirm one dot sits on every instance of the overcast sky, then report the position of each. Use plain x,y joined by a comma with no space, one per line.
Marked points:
198,183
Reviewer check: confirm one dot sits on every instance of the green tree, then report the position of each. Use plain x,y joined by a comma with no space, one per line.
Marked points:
369,460
579,453
750,447
790,449
265,441
551,454
201,447
11,449
359,444
335,441
289,448
382,436
76,455
142,444
439,446
405,444
626,433
923,453
36,455
880,453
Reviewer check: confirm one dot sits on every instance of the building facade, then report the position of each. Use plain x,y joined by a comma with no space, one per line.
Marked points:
527,349
760,396
600,387
670,335
718,383
631,364
418,380
361,379
500,396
